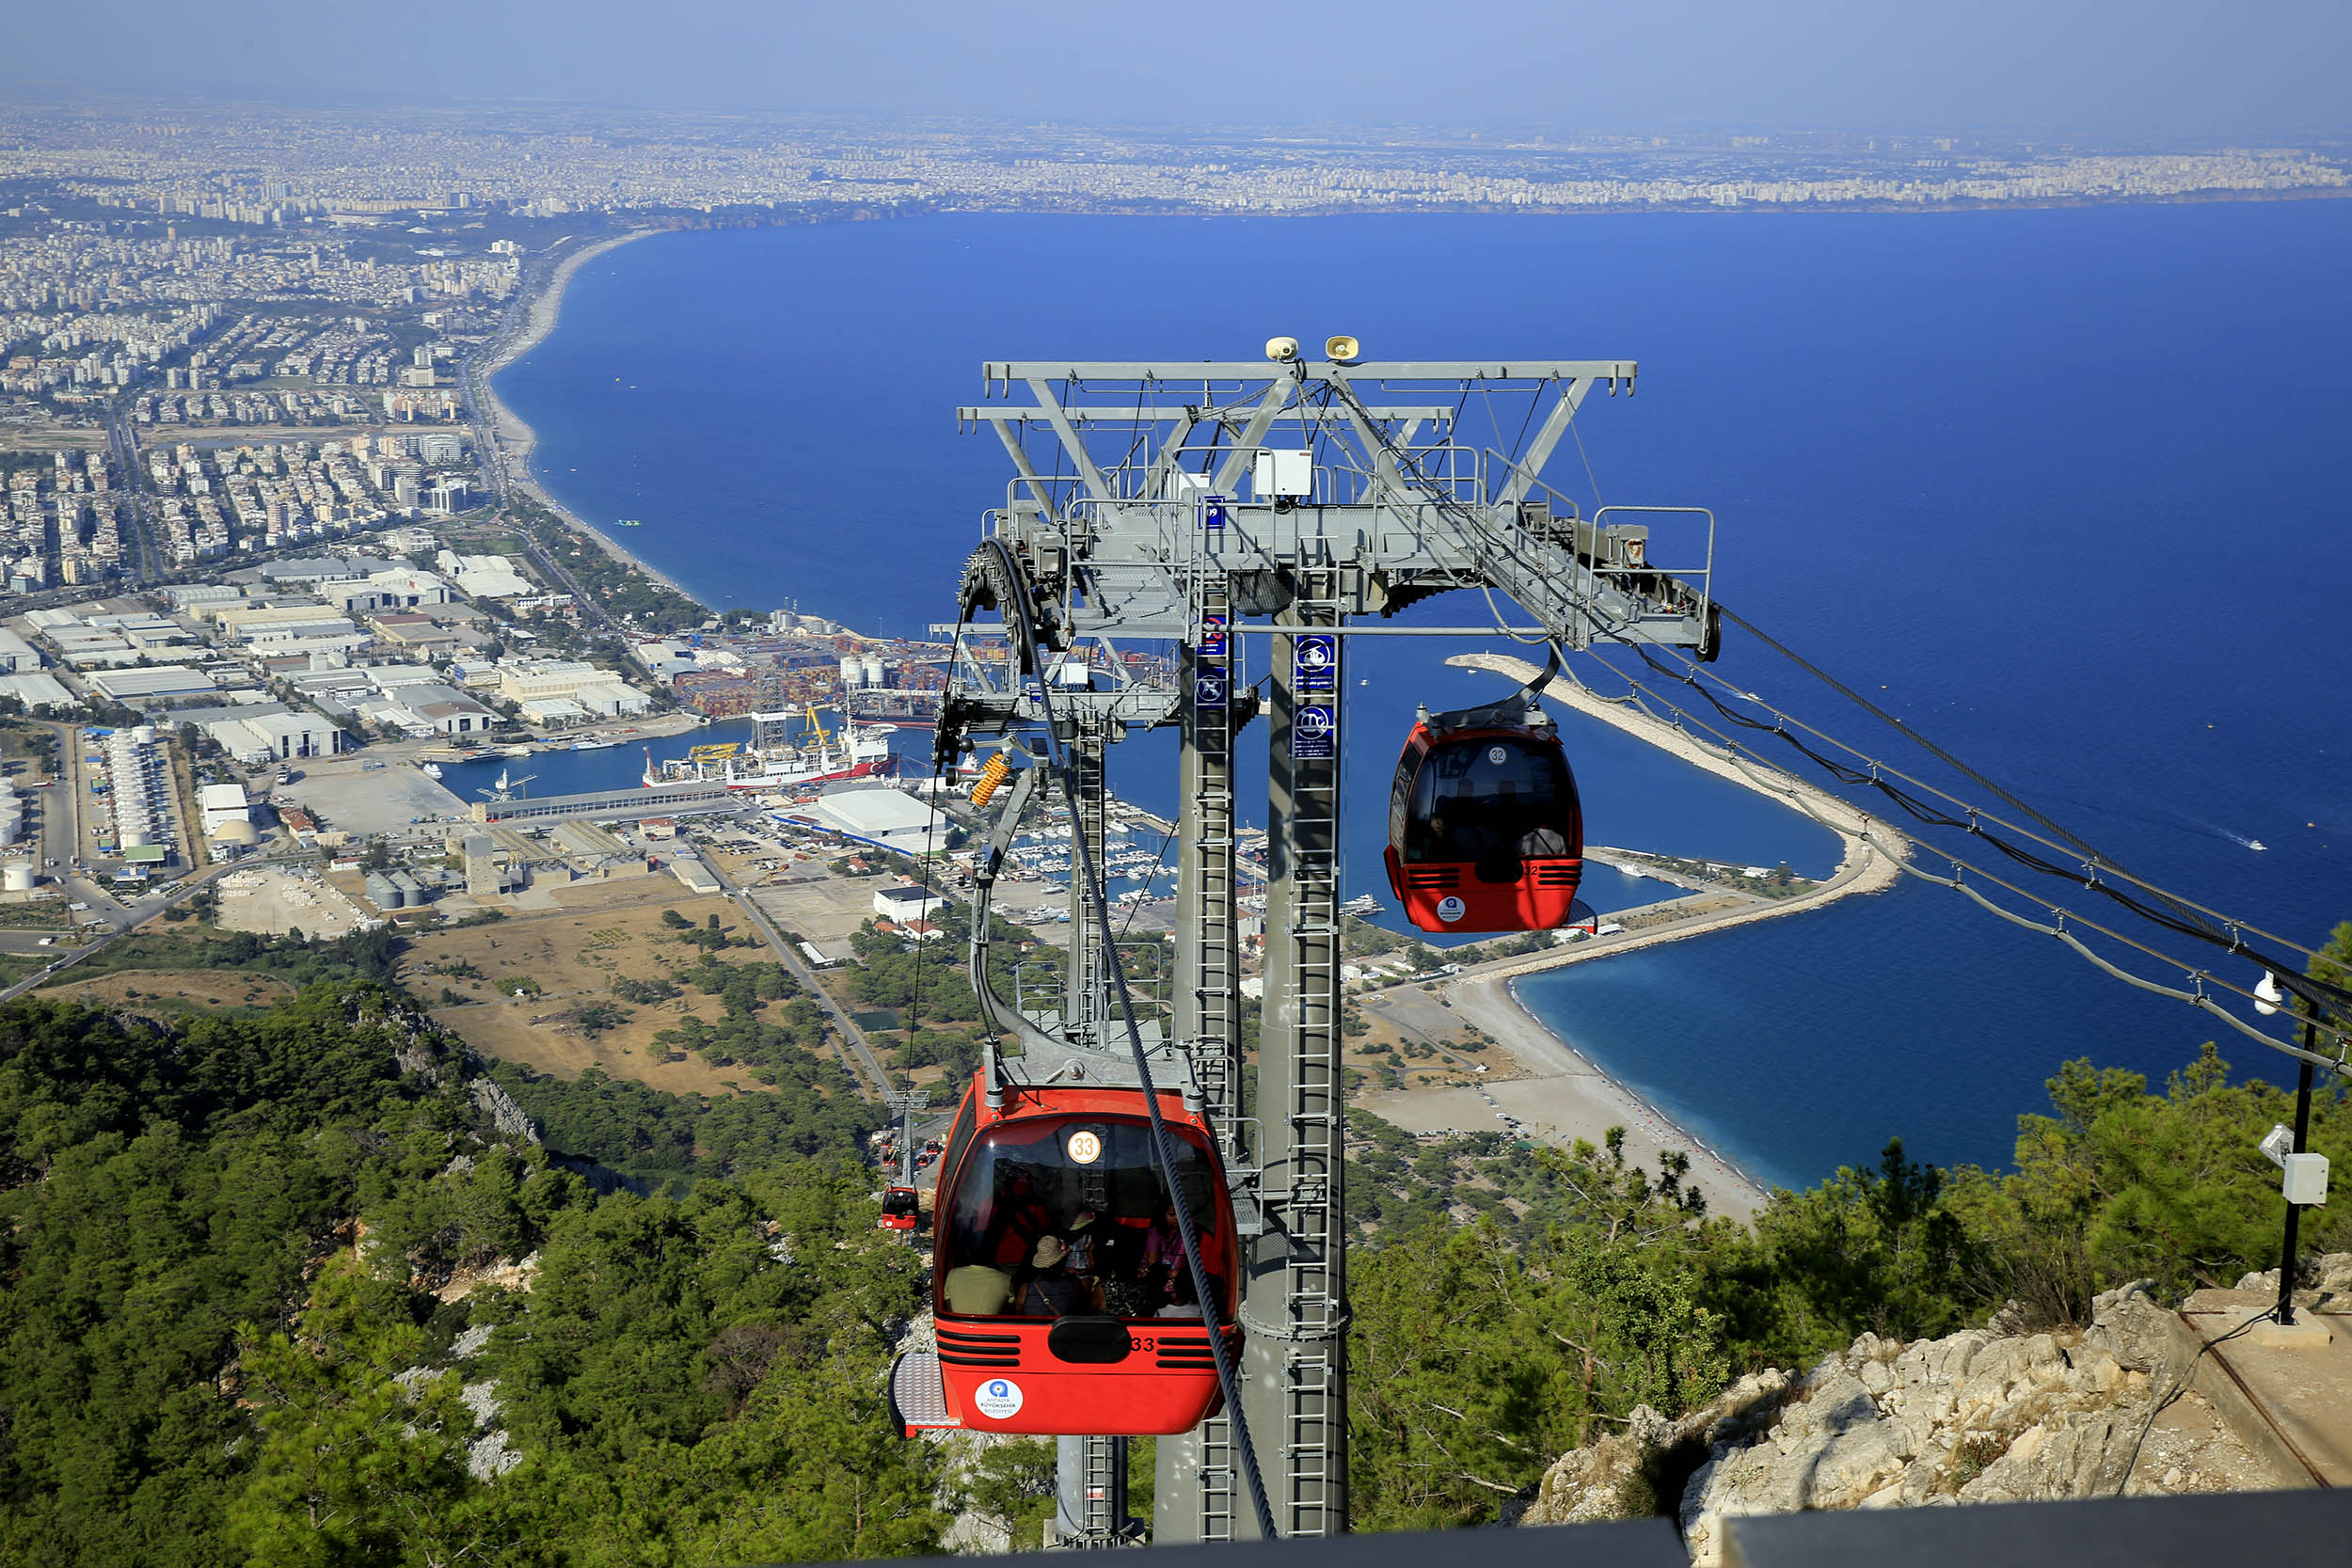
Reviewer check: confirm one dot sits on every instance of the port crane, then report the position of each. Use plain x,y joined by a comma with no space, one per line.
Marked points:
1258,514
507,788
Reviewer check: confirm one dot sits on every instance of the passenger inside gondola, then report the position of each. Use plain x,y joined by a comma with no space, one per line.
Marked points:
1053,1288
1492,802
1056,1215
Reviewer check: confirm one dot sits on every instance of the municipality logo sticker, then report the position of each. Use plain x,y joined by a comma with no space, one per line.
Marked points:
1450,909
999,1397
1315,732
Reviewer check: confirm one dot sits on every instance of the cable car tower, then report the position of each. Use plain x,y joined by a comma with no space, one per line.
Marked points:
1252,513
902,1204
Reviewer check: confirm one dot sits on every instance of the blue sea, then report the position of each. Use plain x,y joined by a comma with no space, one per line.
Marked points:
2063,490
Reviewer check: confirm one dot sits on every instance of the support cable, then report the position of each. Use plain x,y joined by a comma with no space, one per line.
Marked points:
1012,591
2097,875
1766,780
1773,781
1955,763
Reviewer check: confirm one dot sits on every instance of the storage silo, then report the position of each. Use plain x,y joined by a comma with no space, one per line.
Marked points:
18,877
852,671
874,673
383,892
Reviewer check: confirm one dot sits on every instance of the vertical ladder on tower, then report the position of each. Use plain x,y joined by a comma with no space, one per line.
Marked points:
1199,1485
1307,1407
1105,1492
1216,1480
1089,1004
1312,1283
1090,1495
1216,981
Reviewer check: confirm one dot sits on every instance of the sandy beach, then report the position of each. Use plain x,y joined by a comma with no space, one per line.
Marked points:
515,437
1566,1096
1556,1096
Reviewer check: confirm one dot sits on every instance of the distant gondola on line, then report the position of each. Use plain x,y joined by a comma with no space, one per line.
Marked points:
1063,1301
901,1210
1485,831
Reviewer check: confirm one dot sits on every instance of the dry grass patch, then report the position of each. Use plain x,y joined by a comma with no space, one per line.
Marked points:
566,962
169,990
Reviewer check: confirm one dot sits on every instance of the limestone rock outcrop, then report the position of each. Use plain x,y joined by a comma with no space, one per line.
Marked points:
1980,1415
2328,1286
1618,1475
512,1121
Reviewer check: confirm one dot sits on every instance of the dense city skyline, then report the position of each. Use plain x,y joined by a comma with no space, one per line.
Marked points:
286,166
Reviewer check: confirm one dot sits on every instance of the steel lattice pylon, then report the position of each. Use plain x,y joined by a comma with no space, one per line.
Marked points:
1206,504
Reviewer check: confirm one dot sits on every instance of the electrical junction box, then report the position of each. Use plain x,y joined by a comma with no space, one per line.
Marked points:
2306,1179
1283,473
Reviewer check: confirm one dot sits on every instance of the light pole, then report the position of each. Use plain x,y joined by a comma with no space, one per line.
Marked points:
2271,998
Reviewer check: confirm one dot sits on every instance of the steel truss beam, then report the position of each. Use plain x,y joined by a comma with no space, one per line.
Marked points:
1396,516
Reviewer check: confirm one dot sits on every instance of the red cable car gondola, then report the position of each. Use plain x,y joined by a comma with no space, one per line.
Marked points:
1063,1302
901,1209
1485,832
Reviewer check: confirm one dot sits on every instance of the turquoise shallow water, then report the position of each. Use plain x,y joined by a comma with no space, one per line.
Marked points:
2062,489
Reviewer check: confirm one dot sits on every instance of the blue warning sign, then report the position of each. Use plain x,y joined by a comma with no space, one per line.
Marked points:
1315,732
1315,663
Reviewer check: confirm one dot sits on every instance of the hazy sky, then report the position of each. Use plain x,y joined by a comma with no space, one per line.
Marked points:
2131,69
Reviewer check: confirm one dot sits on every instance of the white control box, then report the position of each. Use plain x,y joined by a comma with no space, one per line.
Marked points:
1281,472
2306,1179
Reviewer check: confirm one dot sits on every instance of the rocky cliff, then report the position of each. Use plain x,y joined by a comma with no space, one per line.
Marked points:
1983,1416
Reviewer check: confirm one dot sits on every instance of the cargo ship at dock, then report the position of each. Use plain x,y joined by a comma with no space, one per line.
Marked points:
787,751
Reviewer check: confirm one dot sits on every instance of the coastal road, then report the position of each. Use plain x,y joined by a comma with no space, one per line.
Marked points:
872,1079
486,448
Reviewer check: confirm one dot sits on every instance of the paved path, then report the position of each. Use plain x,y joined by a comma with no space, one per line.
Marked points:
866,1070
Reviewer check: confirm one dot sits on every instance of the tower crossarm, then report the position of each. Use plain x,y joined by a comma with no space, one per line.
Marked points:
1133,479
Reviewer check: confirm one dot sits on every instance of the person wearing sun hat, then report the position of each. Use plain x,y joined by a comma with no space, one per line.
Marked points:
1079,1237
1050,1291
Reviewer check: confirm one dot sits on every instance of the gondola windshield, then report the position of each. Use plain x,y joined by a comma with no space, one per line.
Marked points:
1058,1215
1492,801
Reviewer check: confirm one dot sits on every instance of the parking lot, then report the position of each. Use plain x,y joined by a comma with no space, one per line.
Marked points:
271,901
343,793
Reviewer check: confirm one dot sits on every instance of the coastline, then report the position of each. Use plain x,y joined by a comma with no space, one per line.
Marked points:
1566,1093
515,437
1575,1096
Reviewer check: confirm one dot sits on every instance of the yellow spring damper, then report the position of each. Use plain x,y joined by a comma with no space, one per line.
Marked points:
992,777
